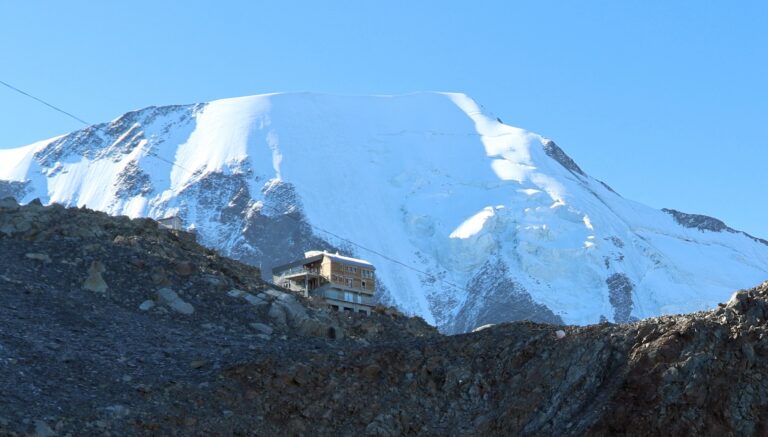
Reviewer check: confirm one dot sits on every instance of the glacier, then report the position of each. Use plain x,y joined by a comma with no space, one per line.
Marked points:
468,220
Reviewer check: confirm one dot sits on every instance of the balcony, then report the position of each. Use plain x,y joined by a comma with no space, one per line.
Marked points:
329,292
299,271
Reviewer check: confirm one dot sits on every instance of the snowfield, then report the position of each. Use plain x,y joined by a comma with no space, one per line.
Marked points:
503,222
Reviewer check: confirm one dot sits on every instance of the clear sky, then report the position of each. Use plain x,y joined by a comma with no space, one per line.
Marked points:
666,101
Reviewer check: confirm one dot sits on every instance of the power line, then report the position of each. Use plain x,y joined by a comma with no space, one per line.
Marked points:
428,275
346,240
52,106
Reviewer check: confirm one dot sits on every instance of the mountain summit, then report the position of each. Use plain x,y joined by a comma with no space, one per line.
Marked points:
468,220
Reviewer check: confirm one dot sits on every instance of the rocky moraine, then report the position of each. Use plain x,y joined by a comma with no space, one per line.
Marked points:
114,326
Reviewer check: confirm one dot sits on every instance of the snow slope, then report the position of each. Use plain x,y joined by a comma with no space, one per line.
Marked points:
503,222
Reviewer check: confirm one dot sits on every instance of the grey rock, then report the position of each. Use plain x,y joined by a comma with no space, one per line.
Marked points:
118,410
173,301
737,301
320,328
706,223
295,311
43,430
147,305
254,300
277,314
14,189
555,152
696,221
39,257
275,293
749,353
511,301
263,328
8,203
620,296
235,292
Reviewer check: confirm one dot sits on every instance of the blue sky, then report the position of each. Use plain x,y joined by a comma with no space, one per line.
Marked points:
665,101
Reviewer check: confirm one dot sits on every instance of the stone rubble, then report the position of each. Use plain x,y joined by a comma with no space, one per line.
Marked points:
185,342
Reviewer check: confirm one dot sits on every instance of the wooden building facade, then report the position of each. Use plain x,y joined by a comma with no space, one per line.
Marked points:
345,283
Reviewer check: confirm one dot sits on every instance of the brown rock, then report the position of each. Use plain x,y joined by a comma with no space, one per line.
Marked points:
184,268
95,282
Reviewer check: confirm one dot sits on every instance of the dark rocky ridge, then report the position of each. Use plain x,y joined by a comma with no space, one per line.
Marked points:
250,359
555,152
706,223
696,221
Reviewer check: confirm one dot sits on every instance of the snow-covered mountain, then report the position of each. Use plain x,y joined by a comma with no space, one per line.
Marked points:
503,222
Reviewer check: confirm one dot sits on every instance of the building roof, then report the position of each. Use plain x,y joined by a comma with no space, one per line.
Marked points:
317,255
346,259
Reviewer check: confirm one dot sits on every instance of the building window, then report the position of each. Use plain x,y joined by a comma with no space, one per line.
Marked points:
335,307
349,309
362,284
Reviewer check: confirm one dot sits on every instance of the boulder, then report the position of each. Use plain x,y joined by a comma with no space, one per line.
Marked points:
95,282
738,301
39,257
320,328
173,301
277,314
262,328
254,300
8,203
235,292
275,293
294,310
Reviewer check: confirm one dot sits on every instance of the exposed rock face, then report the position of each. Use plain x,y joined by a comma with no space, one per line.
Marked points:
707,223
228,368
496,298
14,189
555,152
697,221
170,298
620,295
132,182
